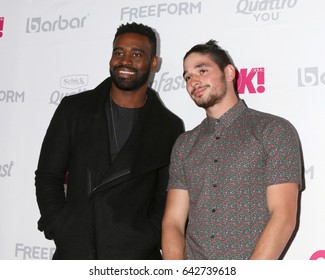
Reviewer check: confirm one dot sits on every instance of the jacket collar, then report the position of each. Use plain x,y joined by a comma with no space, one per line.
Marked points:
139,154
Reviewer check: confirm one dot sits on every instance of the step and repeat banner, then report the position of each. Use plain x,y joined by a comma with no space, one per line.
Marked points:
53,48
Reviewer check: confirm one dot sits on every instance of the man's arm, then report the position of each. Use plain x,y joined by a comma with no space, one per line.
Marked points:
158,204
51,171
173,226
282,204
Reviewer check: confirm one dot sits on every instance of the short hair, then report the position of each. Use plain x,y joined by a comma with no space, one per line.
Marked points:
141,29
216,53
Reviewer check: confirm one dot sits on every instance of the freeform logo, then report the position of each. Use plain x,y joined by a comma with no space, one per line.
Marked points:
5,169
76,83
265,10
37,24
2,20
33,252
167,83
253,80
310,76
177,8
11,96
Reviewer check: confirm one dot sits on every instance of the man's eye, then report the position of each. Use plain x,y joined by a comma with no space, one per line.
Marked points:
136,55
202,71
186,78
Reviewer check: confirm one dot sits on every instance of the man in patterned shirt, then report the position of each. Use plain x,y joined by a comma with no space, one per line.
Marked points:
235,178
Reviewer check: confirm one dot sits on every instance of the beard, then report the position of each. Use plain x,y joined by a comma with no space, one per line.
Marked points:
141,77
215,97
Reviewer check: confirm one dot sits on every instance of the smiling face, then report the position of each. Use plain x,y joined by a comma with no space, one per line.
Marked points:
131,61
205,82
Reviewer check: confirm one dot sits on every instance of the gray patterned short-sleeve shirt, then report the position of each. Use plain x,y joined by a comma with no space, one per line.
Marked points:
226,165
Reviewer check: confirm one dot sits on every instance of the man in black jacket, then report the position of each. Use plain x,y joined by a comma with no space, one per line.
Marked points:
113,143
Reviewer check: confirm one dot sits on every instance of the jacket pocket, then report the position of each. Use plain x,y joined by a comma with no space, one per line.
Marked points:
59,223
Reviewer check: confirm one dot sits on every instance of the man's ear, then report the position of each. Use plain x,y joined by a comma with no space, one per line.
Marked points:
230,72
155,63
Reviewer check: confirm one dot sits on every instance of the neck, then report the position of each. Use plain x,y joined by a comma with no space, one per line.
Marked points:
129,99
219,109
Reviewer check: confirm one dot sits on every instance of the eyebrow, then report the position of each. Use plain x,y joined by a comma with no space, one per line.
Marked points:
133,49
196,67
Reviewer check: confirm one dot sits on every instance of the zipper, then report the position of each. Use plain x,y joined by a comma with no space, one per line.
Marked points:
92,235
112,178
89,181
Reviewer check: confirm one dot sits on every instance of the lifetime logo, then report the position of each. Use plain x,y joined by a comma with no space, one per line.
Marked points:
179,9
2,21
310,77
37,24
253,80
264,10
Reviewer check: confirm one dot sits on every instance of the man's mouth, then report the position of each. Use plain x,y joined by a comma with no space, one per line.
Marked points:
126,72
198,92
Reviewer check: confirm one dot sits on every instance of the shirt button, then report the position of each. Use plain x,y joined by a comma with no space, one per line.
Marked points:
216,160
217,121
212,236
214,185
217,137
213,210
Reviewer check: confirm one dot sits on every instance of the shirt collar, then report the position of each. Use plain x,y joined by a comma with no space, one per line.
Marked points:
229,117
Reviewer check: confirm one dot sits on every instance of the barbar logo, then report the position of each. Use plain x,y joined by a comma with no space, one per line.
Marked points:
167,83
5,169
76,83
37,24
265,10
310,77
11,96
253,80
33,252
178,8
2,21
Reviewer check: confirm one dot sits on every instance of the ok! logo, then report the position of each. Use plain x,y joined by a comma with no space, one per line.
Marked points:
2,19
252,80
318,255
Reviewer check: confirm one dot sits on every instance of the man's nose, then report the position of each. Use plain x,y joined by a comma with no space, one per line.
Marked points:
126,60
195,81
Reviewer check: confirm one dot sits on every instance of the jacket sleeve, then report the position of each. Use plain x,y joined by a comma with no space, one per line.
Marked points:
161,187
158,205
52,170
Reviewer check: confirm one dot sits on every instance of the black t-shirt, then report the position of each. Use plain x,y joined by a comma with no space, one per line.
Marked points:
120,124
